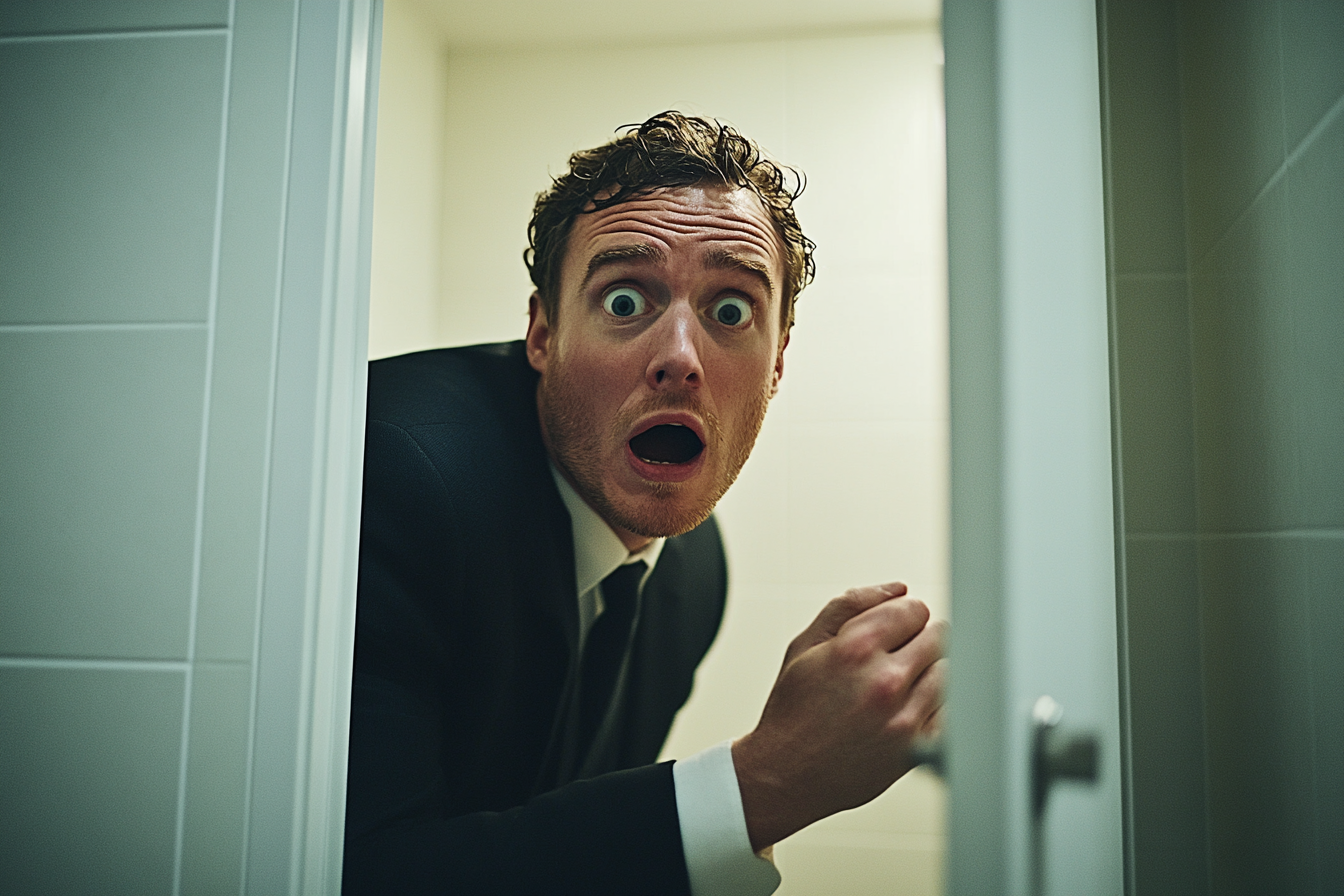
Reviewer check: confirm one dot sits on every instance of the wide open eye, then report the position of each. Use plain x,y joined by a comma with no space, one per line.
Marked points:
731,311
624,302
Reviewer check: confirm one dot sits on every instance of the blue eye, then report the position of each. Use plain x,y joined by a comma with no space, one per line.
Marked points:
624,302
731,312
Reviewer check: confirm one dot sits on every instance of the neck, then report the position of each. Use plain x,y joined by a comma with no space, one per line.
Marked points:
631,541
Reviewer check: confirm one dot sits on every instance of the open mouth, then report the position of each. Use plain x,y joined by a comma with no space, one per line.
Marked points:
667,443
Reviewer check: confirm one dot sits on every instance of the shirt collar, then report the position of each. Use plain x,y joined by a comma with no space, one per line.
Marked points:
598,551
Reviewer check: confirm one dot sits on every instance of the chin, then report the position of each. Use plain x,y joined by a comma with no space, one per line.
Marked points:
661,514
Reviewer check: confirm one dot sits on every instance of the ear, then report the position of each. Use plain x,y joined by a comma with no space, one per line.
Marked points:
779,367
538,334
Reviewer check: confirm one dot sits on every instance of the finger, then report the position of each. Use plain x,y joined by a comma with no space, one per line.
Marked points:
855,601
905,671
841,609
890,625
931,688
923,702
923,650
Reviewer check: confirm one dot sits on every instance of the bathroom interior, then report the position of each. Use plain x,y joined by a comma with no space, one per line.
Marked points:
139,566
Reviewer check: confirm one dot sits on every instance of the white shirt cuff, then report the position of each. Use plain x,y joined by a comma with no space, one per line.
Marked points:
714,830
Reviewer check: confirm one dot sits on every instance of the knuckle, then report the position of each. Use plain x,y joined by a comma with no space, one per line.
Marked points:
855,648
890,684
908,614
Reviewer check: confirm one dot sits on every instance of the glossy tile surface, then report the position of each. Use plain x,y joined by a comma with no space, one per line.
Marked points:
1156,407
217,753
88,785
80,16
1167,715
1313,63
1232,96
1242,316
1143,102
1315,226
1323,562
98,493
124,179
1259,714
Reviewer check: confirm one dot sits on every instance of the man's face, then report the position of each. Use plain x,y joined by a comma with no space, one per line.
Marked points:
666,350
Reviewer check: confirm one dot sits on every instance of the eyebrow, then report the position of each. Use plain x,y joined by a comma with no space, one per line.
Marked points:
725,259
721,259
619,254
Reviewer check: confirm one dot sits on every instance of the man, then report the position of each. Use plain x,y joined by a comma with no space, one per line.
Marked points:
540,574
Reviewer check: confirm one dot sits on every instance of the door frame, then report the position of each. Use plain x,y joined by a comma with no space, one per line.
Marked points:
296,806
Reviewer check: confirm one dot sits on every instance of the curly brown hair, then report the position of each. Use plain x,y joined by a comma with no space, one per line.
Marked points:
668,150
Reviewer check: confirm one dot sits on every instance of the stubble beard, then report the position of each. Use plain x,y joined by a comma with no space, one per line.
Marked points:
577,446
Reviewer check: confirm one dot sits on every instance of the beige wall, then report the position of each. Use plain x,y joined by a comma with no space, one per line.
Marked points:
404,303
847,484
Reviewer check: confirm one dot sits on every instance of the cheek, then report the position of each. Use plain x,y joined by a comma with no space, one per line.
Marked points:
600,384
750,376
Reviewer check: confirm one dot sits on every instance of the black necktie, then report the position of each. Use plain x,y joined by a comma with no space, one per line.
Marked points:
605,651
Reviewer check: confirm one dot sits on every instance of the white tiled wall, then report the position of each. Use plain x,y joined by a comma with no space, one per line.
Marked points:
111,151
847,485
142,170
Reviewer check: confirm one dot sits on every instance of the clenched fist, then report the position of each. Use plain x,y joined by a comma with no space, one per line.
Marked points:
856,688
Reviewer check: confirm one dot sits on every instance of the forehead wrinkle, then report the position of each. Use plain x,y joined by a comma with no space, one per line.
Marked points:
711,227
672,213
665,216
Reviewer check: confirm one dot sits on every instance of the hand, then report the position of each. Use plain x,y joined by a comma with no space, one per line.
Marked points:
856,688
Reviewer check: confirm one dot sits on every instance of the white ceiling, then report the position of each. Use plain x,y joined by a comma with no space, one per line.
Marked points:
499,23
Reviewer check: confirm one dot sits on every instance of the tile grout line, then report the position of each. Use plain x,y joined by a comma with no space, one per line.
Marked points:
1315,133
127,34
1324,534
1153,277
1192,381
92,664
119,327
1290,159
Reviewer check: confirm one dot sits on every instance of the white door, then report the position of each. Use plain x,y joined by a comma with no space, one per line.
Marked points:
1033,555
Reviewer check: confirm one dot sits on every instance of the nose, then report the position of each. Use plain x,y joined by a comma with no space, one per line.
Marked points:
675,362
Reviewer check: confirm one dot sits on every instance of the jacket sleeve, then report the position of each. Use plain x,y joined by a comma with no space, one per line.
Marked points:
616,833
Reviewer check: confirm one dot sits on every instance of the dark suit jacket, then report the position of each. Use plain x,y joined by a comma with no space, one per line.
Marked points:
465,655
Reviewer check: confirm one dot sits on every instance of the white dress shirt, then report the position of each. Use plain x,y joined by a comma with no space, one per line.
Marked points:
709,806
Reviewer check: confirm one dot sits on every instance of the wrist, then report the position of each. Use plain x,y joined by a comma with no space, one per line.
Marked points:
764,798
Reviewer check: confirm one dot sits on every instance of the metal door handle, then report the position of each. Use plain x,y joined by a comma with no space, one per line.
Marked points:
1059,754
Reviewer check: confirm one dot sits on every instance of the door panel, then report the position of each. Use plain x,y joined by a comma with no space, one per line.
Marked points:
1033,556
